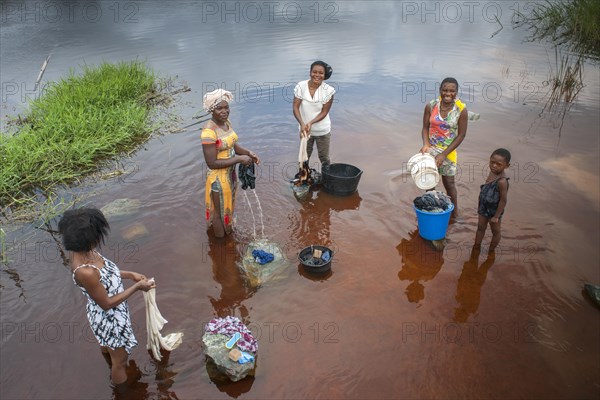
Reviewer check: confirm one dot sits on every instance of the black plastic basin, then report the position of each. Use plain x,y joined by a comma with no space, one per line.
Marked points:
305,257
341,179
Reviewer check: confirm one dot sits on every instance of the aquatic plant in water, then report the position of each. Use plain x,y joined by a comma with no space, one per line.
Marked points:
573,28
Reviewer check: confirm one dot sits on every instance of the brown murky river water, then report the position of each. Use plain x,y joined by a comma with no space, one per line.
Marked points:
395,318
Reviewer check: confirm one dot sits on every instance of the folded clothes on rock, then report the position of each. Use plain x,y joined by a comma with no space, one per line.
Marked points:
262,257
228,326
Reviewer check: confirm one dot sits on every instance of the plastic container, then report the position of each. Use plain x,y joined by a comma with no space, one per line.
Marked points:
341,179
433,225
427,178
306,255
424,171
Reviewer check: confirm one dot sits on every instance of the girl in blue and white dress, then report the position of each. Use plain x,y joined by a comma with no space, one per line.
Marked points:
99,279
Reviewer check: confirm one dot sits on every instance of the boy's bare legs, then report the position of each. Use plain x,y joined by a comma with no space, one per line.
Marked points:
496,235
217,223
450,187
481,227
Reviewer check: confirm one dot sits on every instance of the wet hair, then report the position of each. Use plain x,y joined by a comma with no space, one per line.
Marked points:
83,229
327,67
503,153
449,80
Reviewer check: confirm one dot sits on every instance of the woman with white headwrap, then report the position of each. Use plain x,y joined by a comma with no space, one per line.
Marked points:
221,153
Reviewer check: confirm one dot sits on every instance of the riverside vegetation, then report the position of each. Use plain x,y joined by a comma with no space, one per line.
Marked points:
573,28
74,129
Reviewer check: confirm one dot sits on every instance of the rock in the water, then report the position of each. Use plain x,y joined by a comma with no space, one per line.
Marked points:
215,350
134,231
439,244
121,207
593,291
255,273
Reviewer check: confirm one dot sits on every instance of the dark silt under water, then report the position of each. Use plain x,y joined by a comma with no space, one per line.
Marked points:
394,318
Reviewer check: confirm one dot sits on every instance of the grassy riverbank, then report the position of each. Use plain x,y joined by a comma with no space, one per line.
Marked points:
73,129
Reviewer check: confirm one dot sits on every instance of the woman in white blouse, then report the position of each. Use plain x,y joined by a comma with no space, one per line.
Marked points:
312,101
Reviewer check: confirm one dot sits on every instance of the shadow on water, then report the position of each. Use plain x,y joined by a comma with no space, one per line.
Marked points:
315,220
133,388
315,224
164,375
315,215
421,262
468,289
233,389
225,254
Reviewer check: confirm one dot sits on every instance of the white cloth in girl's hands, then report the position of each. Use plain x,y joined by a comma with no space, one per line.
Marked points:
154,323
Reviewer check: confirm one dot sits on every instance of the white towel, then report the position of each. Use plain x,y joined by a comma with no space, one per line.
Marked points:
303,154
154,323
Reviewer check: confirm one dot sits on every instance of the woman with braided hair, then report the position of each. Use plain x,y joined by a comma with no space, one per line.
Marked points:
445,122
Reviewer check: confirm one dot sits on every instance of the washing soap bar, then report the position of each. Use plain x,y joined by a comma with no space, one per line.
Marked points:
234,355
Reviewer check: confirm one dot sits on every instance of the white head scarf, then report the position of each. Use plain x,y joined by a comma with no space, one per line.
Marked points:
211,99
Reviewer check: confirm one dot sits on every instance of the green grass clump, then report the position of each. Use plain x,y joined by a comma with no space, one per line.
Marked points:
574,24
76,125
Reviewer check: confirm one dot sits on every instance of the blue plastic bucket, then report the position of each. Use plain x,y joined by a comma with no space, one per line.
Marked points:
433,225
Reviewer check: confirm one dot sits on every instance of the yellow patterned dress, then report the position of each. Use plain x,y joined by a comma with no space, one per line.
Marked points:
221,180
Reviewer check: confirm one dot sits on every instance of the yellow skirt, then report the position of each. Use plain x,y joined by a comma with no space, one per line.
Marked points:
224,182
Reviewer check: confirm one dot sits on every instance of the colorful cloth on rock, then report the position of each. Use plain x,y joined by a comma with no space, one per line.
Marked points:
228,326
222,180
112,328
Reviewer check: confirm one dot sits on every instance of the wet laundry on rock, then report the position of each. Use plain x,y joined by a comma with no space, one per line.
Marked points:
228,326
262,257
